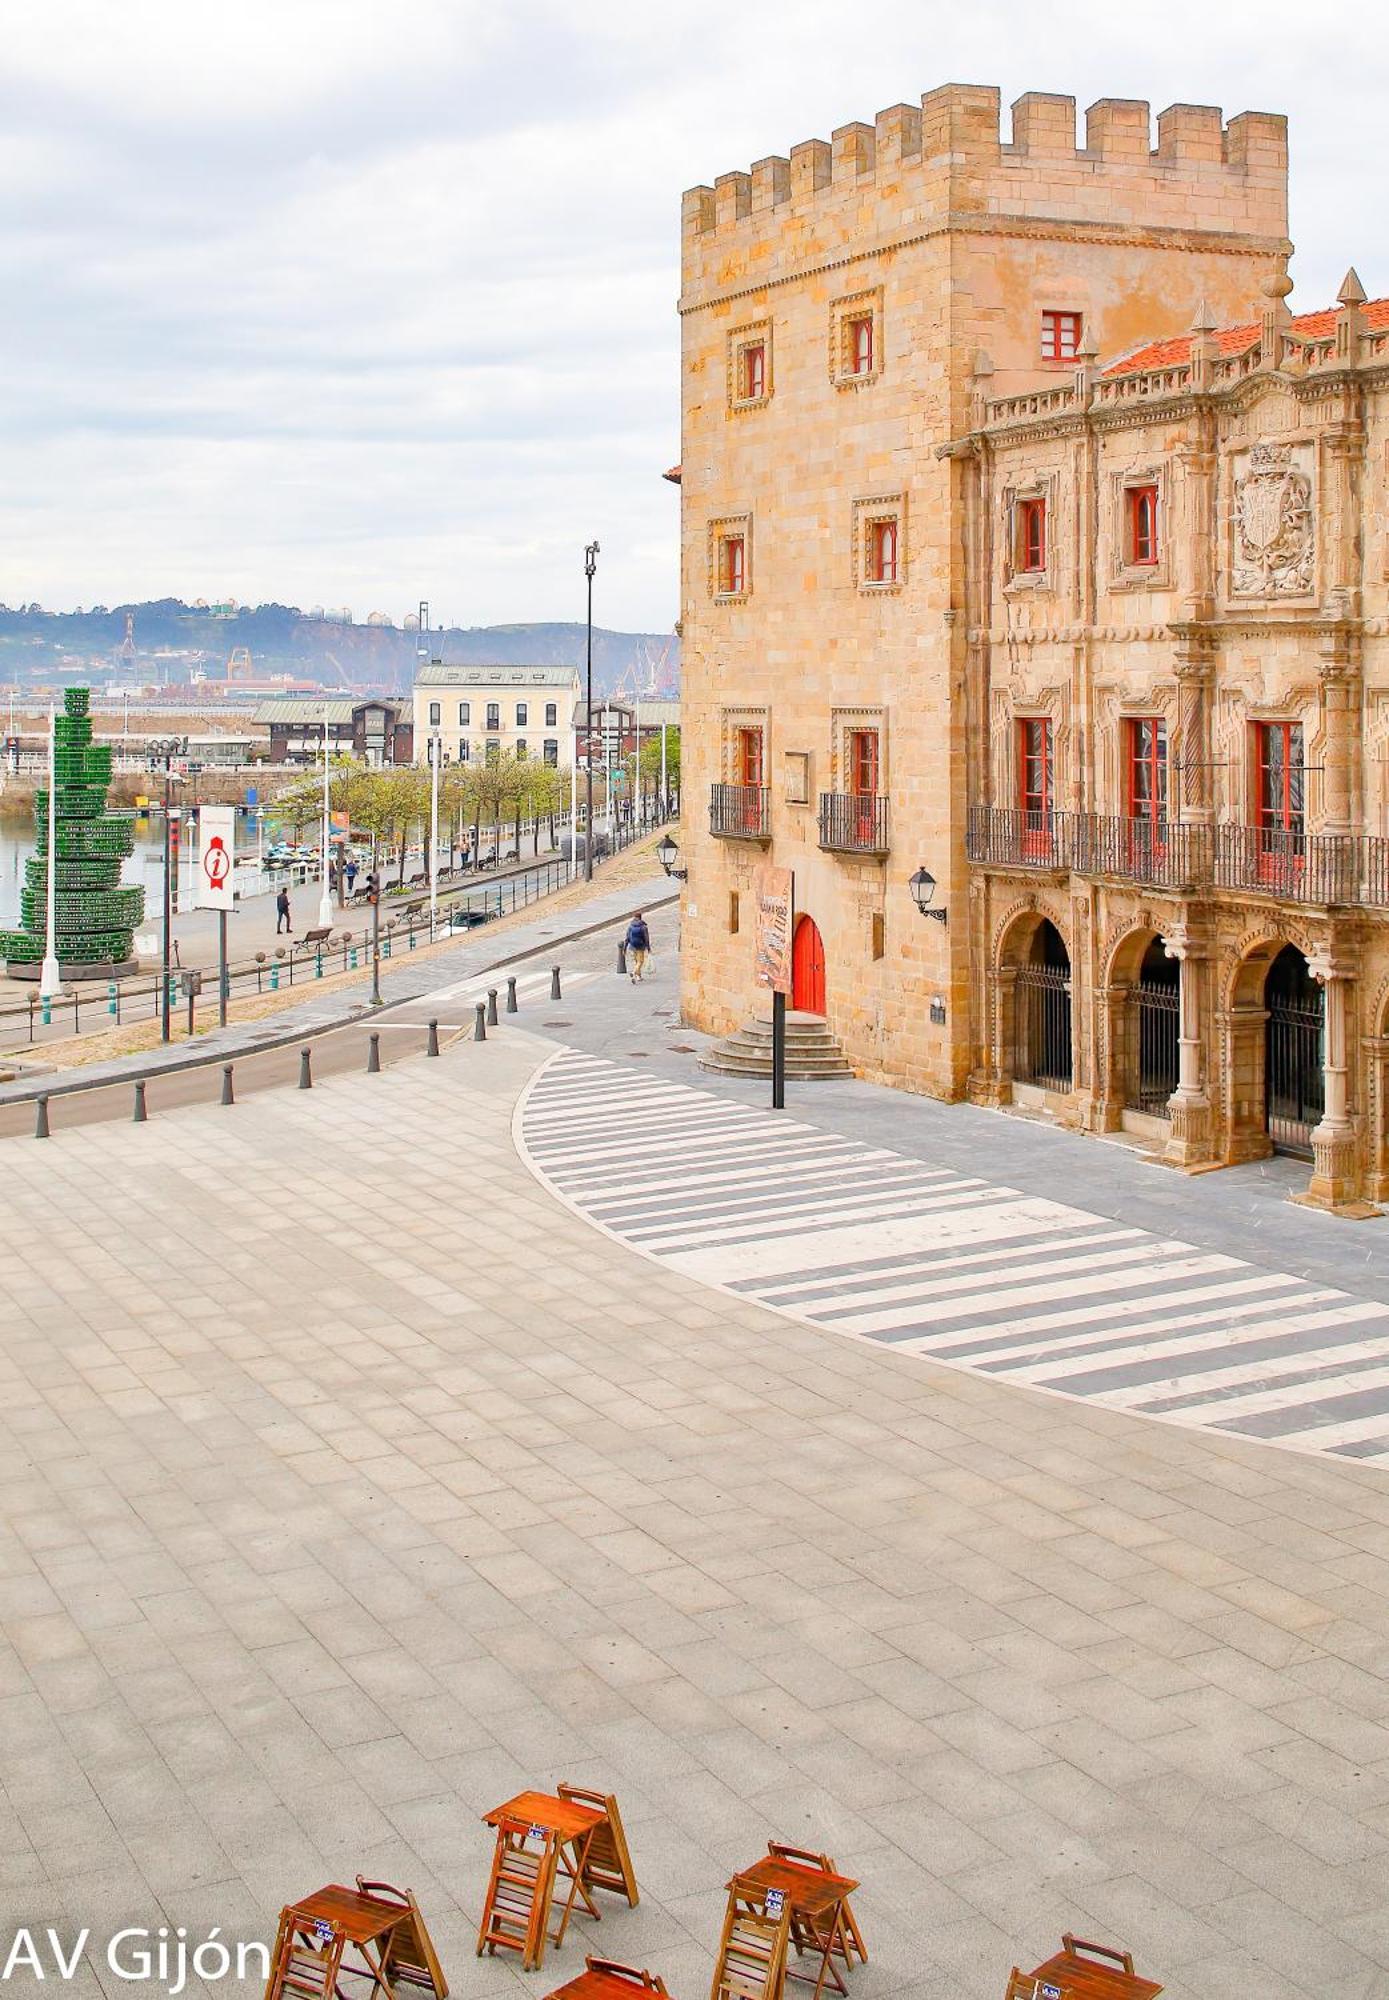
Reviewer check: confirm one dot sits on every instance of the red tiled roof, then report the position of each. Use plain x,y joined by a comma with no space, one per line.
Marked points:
673,475
1235,339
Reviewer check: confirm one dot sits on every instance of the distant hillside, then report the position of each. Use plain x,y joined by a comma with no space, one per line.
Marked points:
41,645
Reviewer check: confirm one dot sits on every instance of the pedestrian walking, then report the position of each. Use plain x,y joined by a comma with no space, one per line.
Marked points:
282,922
351,874
638,943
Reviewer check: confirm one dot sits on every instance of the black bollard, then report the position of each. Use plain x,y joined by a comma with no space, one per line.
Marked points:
305,1071
228,1094
555,993
41,1119
621,959
139,1115
373,1055
432,1045
491,1006
480,1022
511,1007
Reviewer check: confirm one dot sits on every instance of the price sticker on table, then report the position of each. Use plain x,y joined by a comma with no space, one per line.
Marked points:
774,1903
1048,1992
323,1930
536,1833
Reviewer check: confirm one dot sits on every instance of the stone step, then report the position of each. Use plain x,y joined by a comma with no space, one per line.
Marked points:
812,1053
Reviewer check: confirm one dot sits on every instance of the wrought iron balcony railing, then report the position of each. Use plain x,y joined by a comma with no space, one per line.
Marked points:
1166,854
1011,839
1295,867
740,812
854,822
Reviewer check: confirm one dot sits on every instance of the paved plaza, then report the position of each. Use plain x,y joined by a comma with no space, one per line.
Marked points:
356,1482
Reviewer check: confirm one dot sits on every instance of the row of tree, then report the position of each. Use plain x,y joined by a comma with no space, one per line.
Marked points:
393,807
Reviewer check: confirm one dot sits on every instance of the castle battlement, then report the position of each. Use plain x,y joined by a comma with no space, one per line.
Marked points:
949,156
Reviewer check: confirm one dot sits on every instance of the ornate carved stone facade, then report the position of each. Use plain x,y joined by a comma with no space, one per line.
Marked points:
1207,840
1133,663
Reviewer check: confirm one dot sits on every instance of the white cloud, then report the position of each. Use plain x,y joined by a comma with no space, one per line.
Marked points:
362,300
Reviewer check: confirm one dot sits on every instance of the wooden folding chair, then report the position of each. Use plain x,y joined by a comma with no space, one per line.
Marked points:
410,1959
302,1971
1082,1971
850,1938
516,1913
609,1862
752,1954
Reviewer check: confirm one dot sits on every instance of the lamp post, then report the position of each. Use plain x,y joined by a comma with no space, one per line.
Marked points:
325,901
171,779
435,758
590,566
574,805
923,888
50,978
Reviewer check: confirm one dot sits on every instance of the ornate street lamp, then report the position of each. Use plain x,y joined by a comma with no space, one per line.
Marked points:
668,853
923,888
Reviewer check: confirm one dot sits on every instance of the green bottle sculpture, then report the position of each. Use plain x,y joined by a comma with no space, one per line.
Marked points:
95,917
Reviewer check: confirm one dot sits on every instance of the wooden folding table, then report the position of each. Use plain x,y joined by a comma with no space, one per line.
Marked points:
1082,1971
317,1934
606,1979
817,1903
539,1839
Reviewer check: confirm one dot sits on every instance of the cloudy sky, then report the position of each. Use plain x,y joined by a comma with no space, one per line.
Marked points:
358,301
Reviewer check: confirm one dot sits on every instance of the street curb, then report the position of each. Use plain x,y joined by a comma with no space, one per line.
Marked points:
132,1072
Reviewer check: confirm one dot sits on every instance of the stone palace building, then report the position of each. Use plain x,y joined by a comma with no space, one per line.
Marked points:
1032,546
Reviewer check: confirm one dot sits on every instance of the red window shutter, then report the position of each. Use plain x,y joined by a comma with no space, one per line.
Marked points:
1143,526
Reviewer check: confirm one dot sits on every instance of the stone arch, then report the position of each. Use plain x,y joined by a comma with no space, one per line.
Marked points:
1138,1017
1034,974
1245,1035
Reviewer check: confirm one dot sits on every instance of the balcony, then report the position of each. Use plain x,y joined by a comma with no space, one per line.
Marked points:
740,812
1294,867
1165,854
1291,867
1003,838
854,822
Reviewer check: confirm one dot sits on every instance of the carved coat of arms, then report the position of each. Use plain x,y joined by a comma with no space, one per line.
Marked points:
1274,544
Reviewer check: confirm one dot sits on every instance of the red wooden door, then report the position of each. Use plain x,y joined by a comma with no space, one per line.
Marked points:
808,968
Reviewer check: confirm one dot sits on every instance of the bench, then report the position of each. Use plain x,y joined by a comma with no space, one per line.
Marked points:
319,935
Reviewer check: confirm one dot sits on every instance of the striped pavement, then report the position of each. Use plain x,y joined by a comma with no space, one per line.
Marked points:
971,1273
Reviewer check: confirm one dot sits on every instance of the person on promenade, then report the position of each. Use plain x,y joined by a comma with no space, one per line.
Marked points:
351,873
638,942
282,922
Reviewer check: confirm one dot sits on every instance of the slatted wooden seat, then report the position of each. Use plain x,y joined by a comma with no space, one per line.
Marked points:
1082,1971
410,1959
844,1939
299,1970
608,1864
516,1911
752,1952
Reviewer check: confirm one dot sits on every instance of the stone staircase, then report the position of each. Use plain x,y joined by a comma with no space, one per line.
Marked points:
811,1050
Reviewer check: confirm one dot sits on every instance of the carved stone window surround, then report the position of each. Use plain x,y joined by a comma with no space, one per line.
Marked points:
731,721
857,305
754,334
1025,582
867,514
843,723
1124,574
726,528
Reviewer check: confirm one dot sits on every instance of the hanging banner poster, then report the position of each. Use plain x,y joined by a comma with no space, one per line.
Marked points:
216,856
772,964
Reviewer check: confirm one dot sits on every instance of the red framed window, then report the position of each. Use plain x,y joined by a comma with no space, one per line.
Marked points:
1061,335
1278,774
882,552
1034,782
750,757
732,565
1146,769
754,382
858,337
1142,526
1031,535
863,763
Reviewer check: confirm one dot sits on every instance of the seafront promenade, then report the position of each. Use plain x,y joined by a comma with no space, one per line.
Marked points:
359,1479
